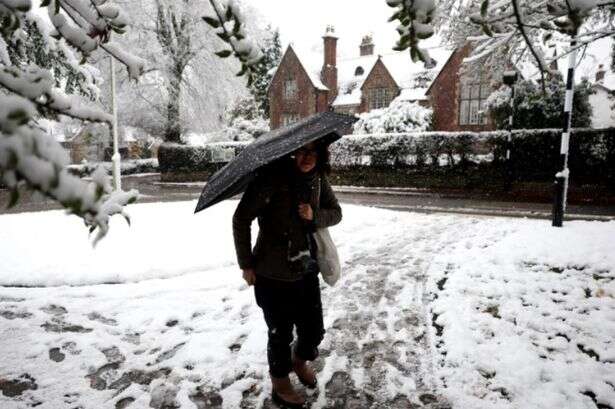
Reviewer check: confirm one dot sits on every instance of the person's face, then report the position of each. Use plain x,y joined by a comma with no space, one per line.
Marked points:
306,158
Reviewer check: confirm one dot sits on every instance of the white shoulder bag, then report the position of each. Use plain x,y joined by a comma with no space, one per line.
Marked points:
326,254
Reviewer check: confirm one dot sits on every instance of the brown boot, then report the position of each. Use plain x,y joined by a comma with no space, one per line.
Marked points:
284,394
306,375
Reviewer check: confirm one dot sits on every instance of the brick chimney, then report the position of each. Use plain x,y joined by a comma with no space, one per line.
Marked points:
367,46
600,73
329,67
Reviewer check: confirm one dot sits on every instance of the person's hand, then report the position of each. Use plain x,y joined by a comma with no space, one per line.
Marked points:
249,275
305,211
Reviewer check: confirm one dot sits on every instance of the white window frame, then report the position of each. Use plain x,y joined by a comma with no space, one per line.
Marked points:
289,119
290,88
379,98
472,97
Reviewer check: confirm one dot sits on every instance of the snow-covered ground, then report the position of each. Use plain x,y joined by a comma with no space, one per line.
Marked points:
434,310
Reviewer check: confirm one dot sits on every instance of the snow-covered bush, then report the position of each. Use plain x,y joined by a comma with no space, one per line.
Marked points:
244,120
400,116
535,109
73,30
242,129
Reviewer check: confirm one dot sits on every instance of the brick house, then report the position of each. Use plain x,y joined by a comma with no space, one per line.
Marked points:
457,95
369,81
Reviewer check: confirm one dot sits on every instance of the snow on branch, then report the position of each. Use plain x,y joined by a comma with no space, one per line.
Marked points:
229,26
415,23
517,27
29,157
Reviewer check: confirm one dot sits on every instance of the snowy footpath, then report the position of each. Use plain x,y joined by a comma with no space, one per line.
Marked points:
433,311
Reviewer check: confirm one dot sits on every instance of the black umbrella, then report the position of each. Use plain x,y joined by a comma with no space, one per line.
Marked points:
233,178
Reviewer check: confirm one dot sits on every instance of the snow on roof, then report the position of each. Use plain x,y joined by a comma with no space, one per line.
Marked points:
312,71
351,98
608,82
405,71
315,78
353,72
413,94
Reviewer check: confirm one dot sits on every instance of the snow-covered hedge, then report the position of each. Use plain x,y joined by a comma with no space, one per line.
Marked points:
175,158
534,154
128,167
406,149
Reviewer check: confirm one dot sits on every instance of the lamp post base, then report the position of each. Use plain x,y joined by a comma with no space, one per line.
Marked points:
117,177
558,205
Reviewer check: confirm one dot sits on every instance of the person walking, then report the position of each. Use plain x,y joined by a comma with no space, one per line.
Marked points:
291,198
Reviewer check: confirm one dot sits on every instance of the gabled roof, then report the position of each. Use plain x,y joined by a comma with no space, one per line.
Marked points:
404,71
608,83
313,75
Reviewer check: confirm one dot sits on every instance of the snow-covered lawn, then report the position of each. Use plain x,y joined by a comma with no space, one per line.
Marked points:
434,310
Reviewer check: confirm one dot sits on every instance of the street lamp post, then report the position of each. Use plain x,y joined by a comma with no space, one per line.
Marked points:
116,158
510,78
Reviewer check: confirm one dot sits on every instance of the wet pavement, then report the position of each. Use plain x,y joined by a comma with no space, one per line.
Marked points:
152,190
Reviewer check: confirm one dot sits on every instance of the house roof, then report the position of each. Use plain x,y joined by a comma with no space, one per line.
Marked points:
608,83
404,71
313,74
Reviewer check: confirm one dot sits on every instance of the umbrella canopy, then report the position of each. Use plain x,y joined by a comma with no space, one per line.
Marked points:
233,178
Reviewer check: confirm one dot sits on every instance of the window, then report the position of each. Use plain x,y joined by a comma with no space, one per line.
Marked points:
379,98
359,71
472,103
290,89
288,119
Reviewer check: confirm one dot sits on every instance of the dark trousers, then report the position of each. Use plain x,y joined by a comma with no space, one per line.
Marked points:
285,305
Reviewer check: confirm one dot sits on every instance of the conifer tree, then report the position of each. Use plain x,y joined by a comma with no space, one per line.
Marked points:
272,54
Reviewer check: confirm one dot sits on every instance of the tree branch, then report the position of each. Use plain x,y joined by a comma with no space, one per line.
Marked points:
529,44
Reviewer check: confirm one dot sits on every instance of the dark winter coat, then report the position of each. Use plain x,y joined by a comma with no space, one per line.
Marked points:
270,199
